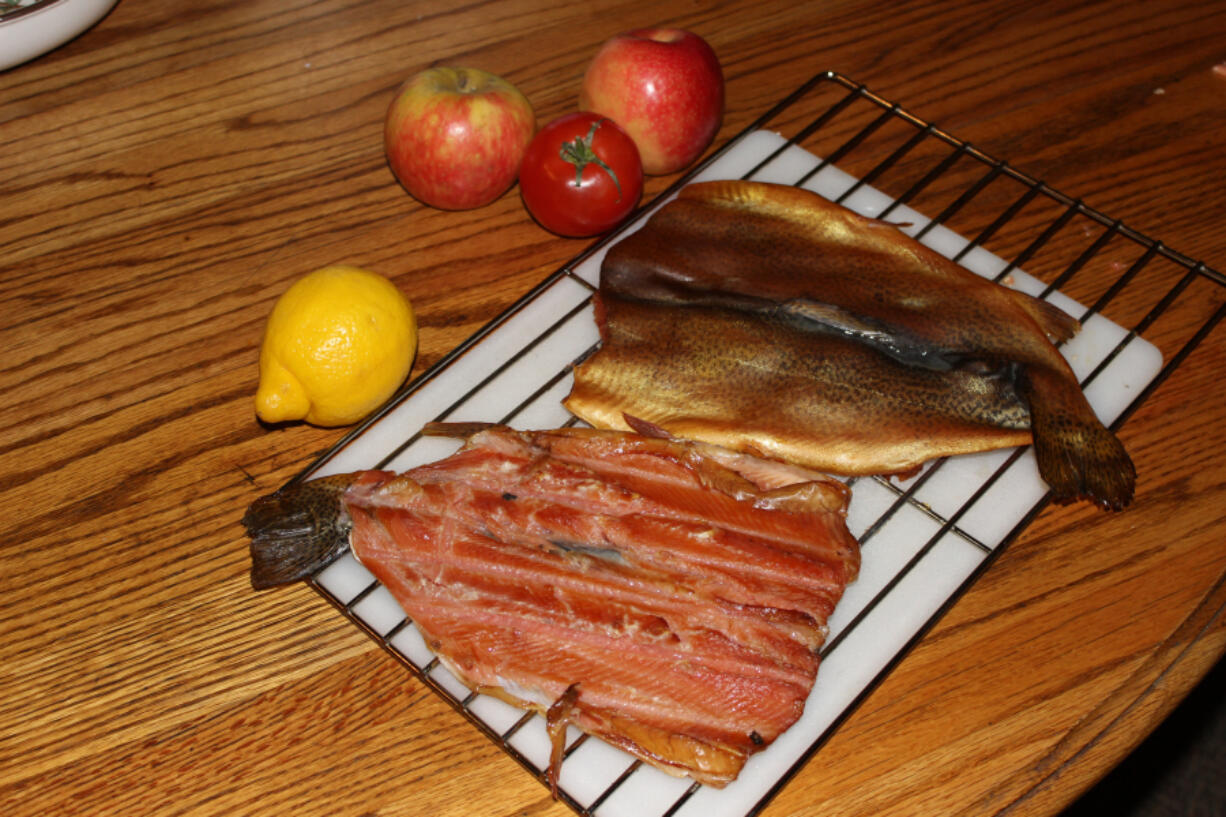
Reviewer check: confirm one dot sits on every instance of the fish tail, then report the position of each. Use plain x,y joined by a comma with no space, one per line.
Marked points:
1058,325
1078,456
297,531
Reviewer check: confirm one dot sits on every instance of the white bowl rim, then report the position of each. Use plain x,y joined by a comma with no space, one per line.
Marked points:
25,11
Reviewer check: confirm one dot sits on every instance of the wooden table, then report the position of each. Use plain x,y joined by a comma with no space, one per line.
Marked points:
165,176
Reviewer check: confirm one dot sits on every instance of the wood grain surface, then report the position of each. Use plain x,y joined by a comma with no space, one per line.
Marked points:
165,176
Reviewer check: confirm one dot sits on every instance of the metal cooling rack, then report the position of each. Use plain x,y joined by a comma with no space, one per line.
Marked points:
896,166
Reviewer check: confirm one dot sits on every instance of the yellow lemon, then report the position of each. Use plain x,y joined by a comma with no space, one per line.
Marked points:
339,342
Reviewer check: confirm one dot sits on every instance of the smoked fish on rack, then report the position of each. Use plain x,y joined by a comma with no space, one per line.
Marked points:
668,597
768,319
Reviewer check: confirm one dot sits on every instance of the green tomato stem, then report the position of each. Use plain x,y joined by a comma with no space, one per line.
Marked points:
580,154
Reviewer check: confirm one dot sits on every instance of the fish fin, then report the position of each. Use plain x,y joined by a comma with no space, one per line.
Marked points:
558,715
1057,324
297,531
718,190
881,222
779,199
458,429
645,428
1078,456
785,199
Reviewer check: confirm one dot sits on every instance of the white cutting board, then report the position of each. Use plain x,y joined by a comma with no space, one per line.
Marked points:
911,567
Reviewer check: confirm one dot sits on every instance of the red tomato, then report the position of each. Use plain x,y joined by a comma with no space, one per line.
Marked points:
581,175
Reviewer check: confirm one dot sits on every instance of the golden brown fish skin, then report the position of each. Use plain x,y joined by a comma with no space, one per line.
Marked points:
751,246
876,416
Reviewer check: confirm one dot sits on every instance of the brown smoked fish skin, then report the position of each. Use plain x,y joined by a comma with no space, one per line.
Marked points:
776,253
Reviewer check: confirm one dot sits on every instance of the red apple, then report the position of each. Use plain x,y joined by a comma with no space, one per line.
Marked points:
454,137
664,87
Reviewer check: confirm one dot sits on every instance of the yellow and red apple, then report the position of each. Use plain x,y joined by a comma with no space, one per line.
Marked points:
664,87
454,137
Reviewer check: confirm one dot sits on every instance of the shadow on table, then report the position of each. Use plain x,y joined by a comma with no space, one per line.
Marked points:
1180,769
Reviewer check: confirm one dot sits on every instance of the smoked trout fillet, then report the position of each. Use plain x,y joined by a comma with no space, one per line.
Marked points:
768,319
667,597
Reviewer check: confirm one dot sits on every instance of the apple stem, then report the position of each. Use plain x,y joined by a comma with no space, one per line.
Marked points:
580,154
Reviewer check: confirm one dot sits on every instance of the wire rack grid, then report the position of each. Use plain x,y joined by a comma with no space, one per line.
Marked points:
925,539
